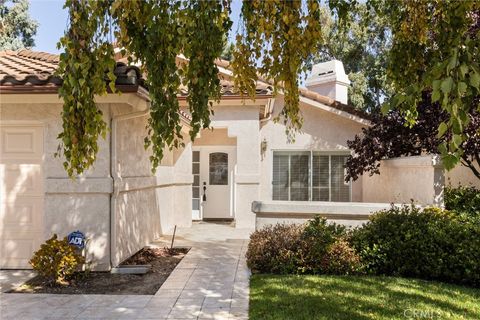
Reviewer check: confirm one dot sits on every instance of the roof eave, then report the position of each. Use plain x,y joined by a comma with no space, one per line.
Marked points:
44,89
336,111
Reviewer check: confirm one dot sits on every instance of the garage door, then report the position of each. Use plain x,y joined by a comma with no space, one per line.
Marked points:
21,192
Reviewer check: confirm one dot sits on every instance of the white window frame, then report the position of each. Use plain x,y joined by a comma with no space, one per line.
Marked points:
310,171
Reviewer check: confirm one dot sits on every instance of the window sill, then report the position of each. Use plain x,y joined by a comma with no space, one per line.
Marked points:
310,208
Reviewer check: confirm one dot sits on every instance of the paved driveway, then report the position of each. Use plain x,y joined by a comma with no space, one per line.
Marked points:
211,282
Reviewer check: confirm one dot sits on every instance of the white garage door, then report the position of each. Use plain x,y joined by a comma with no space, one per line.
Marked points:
21,192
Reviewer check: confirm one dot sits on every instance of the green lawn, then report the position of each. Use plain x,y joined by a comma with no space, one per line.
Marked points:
355,297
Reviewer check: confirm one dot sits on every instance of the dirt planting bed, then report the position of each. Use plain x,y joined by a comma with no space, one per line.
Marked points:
162,261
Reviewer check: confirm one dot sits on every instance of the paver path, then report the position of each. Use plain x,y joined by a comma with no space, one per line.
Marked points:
211,282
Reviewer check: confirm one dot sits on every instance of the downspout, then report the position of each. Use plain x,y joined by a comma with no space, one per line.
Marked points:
269,110
114,172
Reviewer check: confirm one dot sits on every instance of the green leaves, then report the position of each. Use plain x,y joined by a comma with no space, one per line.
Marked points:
449,161
82,68
475,80
435,47
446,85
153,33
277,42
442,129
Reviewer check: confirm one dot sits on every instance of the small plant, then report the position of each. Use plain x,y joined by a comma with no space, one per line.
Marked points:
56,260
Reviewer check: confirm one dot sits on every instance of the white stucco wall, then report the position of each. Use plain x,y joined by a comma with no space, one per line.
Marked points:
350,214
241,122
145,204
71,205
402,180
461,175
321,131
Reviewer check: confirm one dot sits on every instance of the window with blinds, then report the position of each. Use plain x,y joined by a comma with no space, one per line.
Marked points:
310,176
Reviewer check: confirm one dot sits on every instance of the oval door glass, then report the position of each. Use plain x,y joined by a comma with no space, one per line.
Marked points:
218,168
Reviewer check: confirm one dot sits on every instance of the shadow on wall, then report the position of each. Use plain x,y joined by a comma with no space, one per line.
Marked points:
144,206
89,213
137,222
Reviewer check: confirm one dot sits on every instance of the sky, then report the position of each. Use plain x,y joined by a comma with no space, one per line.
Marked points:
52,19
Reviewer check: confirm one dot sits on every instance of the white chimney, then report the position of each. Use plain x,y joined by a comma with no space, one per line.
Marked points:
329,79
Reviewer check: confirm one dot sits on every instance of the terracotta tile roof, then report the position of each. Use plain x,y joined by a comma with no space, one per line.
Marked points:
228,89
26,68
309,94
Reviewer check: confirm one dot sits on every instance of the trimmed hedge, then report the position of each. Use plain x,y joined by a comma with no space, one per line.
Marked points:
315,248
431,243
465,201
274,249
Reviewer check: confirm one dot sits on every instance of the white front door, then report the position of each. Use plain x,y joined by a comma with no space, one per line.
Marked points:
215,183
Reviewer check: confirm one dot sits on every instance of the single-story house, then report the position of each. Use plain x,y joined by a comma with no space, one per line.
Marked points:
243,169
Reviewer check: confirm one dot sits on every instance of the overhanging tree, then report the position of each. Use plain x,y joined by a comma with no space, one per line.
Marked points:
390,137
433,47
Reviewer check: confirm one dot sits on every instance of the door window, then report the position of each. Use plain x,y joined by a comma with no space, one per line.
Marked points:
218,168
196,180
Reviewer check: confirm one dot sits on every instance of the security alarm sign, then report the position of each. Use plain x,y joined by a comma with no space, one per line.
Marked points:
76,239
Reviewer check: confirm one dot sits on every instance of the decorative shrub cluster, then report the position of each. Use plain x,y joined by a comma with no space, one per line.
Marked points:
341,258
429,244
56,260
274,249
314,248
405,241
465,201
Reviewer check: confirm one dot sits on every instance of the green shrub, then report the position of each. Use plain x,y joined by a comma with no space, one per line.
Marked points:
274,249
341,259
56,260
464,201
430,244
316,247
317,237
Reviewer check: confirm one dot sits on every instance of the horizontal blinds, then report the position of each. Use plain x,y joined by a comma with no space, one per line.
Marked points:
299,177
303,176
321,177
339,188
280,179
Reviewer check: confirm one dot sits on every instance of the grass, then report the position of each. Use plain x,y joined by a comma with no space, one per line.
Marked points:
359,297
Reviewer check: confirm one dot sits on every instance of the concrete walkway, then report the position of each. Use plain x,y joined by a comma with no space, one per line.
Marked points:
211,282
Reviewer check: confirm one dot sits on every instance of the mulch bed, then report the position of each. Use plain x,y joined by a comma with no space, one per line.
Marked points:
162,260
